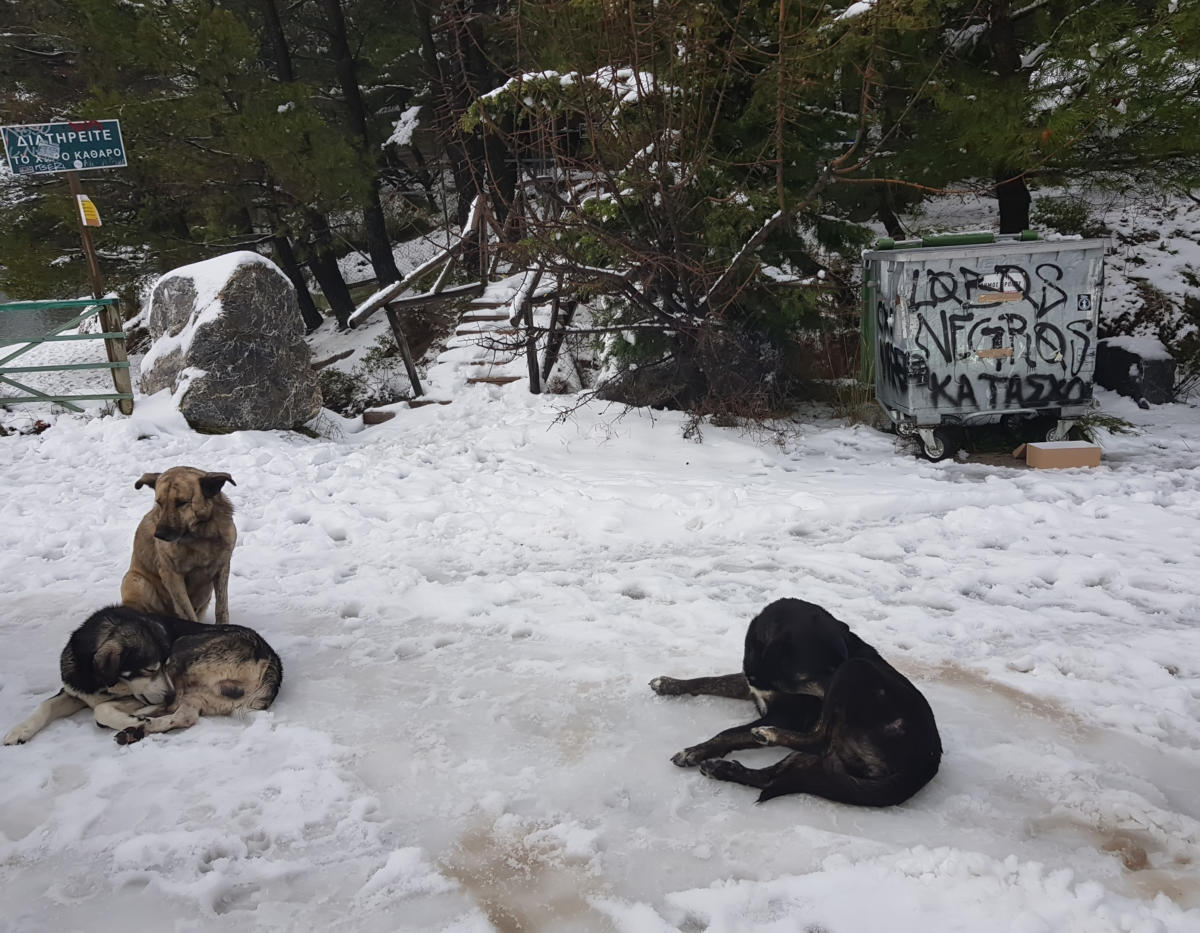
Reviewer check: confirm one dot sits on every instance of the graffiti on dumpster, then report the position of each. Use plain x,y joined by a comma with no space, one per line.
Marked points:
998,339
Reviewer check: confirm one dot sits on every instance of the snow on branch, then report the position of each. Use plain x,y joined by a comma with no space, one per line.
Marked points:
748,247
402,132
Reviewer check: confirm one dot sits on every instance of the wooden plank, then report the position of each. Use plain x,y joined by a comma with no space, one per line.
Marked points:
113,336
386,294
488,305
50,305
499,332
110,320
35,395
90,311
405,353
492,380
62,399
63,366
13,341
459,291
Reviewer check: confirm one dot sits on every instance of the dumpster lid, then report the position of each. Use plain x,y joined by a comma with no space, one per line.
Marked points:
968,245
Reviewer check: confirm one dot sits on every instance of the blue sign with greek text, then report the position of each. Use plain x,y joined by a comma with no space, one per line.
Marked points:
41,148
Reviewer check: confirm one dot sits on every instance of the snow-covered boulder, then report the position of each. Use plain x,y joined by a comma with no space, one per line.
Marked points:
228,342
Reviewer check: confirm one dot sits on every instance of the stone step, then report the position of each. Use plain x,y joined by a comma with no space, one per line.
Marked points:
493,380
484,304
469,318
503,331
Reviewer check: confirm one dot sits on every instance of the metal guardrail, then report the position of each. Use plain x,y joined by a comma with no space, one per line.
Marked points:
114,342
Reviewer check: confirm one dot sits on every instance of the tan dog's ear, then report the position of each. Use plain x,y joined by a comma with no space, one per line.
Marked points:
148,479
108,663
211,483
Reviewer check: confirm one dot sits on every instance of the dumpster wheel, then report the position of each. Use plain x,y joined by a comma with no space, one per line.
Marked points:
1060,430
938,443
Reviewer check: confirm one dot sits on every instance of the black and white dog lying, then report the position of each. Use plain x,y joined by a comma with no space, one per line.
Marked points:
860,732
146,672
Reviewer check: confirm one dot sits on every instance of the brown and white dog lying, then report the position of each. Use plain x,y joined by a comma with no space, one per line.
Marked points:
144,672
183,546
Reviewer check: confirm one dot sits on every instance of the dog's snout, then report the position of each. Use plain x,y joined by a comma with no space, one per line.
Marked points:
167,534
168,698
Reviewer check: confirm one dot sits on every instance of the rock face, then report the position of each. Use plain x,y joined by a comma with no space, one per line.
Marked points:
1139,367
229,344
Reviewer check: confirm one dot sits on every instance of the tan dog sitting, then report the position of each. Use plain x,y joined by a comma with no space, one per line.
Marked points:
182,546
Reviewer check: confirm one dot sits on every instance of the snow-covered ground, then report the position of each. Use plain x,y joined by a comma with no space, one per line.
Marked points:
469,601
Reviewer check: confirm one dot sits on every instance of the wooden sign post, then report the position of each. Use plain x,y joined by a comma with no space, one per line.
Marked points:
45,148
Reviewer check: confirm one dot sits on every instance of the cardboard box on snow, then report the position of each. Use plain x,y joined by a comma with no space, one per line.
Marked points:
1057,455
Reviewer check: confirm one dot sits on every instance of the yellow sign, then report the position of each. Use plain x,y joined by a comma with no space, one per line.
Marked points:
88,215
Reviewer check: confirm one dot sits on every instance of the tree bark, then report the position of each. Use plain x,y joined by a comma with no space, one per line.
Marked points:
276,40
1014,199
378,244
326,272
322,260
479,164
886,212
1011,191
286,257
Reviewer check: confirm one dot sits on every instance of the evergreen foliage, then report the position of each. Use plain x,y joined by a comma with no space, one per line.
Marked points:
702,171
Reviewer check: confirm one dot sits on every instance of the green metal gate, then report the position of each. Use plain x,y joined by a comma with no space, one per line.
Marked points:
114,342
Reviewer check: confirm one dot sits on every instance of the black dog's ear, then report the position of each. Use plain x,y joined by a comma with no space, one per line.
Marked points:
211,483
843,649
108,663
148,479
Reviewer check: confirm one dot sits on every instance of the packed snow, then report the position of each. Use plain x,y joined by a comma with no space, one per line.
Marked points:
469,601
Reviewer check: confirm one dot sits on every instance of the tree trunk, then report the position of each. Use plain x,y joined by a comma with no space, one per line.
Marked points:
1014,200
1011,191
378,244
322,260
276,41
458,73
286,257
886,212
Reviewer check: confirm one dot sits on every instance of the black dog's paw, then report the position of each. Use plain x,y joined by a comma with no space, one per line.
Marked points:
689,757
665,686
720,768
765,735
130,735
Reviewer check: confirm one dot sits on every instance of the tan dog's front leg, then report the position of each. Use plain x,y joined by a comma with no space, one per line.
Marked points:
181,603
221,592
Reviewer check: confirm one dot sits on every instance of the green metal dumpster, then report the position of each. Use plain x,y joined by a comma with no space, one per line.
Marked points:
969,329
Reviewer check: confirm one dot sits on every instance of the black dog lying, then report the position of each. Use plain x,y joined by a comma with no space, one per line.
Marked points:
860,731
